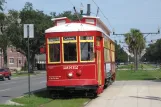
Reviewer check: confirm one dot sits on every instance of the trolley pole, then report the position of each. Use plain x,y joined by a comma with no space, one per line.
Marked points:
28,40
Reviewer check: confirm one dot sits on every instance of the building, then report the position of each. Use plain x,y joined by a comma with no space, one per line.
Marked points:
40,61
16,60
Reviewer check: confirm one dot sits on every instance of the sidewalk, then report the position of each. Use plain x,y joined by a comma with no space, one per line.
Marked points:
130,94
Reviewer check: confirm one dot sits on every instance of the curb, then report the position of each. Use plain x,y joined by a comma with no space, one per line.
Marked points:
9,102
27,75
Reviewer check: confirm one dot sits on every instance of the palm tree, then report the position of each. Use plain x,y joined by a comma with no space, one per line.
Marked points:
136,43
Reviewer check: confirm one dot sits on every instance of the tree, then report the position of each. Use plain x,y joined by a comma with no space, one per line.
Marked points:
153,52
1,4
73,17
41,22
136,43
4,38
121,55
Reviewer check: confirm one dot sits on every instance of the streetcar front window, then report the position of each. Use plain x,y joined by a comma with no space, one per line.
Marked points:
70,49
70,53
54,51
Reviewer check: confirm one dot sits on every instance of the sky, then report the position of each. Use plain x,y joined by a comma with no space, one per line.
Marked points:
122,14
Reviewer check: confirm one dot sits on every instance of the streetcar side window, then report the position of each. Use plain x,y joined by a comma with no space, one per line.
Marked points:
86,51
106,55
70,49
54,50
86,48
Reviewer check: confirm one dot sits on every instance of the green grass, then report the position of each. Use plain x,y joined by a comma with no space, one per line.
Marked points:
66,103
22,74
145,66
138,75
41,99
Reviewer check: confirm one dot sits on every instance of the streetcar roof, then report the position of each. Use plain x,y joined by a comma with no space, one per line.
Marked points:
73,27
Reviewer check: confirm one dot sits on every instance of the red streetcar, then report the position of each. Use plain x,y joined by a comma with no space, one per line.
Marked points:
80,56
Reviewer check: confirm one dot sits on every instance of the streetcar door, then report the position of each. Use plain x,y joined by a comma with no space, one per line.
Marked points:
98,52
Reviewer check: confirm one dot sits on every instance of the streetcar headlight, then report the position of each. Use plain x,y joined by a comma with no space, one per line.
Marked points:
70,75
0,74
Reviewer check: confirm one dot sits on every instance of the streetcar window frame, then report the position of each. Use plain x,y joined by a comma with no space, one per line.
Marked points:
86,39
69,40
52,41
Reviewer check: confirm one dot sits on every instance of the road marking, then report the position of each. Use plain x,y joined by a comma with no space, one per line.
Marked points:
5,89
42,82
8,83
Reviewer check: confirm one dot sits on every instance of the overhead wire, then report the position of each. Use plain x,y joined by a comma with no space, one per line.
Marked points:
103,14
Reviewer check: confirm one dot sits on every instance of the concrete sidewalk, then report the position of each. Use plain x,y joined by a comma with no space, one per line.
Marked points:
130,94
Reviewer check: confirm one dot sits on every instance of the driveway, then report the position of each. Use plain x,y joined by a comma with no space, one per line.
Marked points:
130,94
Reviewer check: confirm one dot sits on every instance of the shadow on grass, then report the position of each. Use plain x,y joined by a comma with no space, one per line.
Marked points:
153,79
44,93
148,97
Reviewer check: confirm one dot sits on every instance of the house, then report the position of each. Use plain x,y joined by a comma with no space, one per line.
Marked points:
16,60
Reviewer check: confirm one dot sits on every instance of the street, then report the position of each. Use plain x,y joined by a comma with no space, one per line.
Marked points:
19,86
130,94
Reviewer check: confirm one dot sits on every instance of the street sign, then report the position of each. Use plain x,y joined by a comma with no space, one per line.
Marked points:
28,33
29,30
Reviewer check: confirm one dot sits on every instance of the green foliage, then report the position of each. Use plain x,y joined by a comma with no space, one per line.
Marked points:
41,22
153,52
68,14
121,55
136,43
1,4
4,37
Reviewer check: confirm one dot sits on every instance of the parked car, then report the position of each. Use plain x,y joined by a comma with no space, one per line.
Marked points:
5,73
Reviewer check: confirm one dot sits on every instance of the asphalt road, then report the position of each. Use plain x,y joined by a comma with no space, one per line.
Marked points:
19,86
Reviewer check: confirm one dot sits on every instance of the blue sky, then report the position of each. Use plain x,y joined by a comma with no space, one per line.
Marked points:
122,14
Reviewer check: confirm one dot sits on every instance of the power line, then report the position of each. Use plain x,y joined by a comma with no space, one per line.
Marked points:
103,14
71,2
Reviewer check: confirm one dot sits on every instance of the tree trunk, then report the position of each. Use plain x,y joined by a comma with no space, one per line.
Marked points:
31,62
5,64
135,60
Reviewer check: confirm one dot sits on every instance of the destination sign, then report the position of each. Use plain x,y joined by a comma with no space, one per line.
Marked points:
54,39
86,38
69,38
